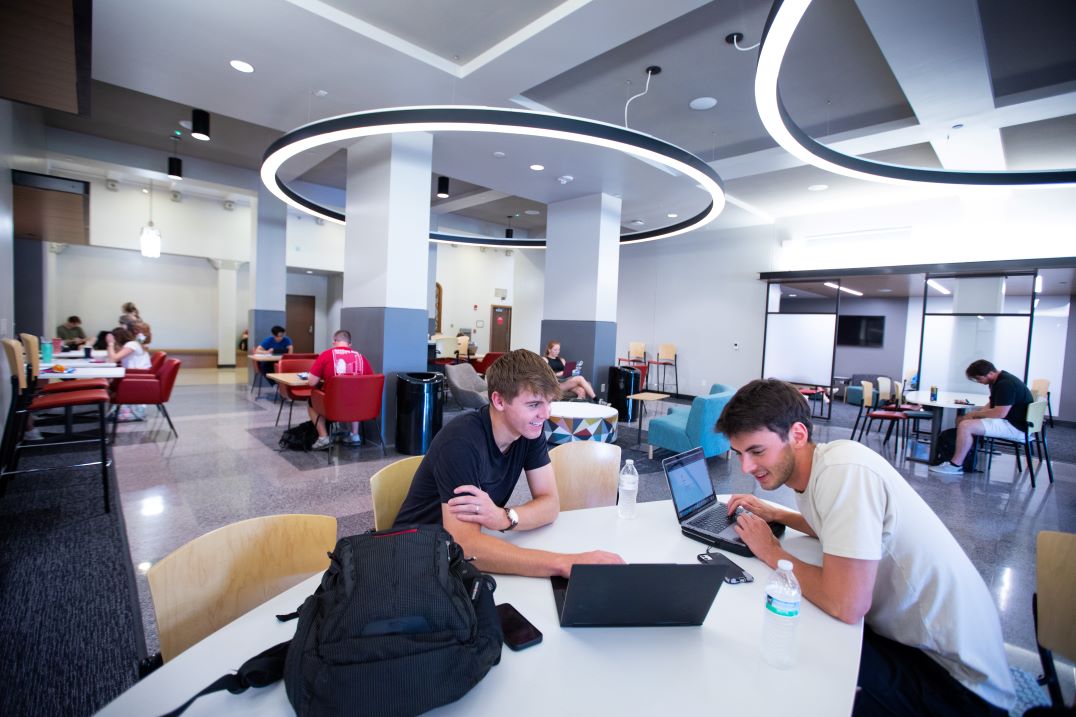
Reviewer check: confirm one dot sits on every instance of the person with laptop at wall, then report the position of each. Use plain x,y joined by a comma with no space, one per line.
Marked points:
1004,417
569,384
474,463
337,360
932,642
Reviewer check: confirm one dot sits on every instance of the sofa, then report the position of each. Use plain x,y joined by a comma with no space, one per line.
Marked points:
684,427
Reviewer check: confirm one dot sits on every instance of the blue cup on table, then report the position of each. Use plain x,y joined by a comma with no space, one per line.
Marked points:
87,351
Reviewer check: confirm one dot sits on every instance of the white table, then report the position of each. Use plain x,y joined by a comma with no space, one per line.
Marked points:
712,669
78,363
946,401
87,372
78,353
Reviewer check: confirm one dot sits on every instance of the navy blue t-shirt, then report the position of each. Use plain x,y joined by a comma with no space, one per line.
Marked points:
465,453
277,347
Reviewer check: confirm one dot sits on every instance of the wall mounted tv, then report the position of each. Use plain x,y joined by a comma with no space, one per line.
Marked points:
860,331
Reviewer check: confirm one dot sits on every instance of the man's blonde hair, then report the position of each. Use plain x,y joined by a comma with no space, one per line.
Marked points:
522,370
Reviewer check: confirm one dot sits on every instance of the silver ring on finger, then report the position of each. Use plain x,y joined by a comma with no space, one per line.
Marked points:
476,510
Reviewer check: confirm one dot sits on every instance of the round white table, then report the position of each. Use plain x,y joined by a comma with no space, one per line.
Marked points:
946,401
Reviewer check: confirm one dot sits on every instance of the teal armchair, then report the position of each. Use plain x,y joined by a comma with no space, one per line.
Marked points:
684,428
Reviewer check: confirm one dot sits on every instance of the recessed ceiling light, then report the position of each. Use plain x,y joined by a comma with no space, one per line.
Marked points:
242,66
703,103
537,167
817,187
885,291
638,222
309,272
564,179
532,212
672,215
321,93
499,154
145,191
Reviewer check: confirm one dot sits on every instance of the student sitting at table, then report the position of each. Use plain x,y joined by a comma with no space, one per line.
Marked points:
932,641
576,385
130,354
277,345
474,463
339,360
71,332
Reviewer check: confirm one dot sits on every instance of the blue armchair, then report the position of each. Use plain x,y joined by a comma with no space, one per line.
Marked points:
684,428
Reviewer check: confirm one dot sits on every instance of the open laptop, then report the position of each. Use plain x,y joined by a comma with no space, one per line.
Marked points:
702,516
639,595
569,368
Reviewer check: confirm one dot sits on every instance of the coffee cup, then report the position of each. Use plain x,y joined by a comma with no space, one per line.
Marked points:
87,351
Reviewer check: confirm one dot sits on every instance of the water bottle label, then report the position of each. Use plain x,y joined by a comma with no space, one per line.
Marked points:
782,607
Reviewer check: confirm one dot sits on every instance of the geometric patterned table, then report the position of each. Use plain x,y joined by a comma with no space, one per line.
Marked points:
580,421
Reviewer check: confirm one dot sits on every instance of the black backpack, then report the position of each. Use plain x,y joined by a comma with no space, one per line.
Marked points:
400,624
299,438
946,447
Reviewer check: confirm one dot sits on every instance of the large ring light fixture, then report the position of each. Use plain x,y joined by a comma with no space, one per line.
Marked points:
784,18
496,120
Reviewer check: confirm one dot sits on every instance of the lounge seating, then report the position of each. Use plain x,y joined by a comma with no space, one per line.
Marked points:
467,386
682,428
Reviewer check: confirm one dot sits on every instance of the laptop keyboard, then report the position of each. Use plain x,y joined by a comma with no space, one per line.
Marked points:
713,521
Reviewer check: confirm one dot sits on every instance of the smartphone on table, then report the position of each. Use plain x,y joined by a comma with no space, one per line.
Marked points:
519,633
734,575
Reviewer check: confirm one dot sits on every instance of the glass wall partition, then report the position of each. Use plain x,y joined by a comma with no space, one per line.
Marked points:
975,317
801,324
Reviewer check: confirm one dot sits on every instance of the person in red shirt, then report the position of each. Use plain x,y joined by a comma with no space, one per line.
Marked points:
340,360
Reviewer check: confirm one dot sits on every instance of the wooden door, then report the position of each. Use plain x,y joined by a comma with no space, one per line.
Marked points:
299,321
500,328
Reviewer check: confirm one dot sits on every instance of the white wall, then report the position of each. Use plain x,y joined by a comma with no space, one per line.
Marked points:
700,291
192,227
312,245
1048,340
468,277
176,295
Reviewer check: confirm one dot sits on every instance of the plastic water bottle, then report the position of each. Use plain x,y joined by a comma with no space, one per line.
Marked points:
781,619
578,370
46,350
629,489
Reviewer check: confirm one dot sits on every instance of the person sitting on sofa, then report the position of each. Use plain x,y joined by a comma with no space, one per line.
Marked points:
576,385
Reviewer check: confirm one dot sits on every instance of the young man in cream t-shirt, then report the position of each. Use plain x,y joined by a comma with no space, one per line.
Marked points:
932,641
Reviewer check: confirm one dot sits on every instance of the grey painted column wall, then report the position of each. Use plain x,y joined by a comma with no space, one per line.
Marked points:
29,287
583,243
387,258
1065,404
268,267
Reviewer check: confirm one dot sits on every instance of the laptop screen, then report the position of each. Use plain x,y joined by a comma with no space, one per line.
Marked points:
689,482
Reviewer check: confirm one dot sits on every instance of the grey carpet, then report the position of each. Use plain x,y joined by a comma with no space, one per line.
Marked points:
69,626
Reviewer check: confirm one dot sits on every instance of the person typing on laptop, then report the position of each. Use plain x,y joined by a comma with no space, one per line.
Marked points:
474,463
932,642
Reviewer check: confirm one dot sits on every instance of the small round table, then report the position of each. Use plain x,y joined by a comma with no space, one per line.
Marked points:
579,421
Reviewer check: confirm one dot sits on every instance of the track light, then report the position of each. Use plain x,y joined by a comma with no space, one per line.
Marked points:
175,168
200,125
442,188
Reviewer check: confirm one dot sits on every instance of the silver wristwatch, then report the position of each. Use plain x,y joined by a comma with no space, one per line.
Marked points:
513,519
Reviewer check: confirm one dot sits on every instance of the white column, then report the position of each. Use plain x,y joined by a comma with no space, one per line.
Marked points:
227,301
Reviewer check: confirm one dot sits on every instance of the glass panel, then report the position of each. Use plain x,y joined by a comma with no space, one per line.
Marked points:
951,343
799,348
812,297
980,294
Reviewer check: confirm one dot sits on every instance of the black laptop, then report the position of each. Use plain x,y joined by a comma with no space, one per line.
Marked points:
639,595
702,516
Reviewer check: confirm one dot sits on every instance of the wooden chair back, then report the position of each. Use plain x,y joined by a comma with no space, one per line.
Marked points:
1040,387
1055,583
868,394
16,361
204,585
389,487
32,353
637,351
666,352
587,473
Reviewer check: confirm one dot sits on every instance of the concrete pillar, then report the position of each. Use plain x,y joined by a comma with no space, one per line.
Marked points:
582,272
268,267
227,300
386,257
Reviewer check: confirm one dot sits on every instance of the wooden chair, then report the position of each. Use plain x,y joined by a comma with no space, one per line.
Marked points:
866,403
665,359
345,399
388,488
32,353
587,473
1040,389
1036,420
204,585
1052,605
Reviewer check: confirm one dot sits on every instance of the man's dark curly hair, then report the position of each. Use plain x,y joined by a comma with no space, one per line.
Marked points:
765,403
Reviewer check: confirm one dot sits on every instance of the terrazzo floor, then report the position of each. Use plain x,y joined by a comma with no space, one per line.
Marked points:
224,467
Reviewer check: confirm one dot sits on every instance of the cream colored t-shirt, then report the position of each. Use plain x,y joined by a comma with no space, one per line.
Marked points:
927,593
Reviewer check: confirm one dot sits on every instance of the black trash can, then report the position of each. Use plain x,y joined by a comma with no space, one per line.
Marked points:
623,382
420,401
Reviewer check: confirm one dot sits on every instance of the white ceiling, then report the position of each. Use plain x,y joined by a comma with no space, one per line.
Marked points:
874,78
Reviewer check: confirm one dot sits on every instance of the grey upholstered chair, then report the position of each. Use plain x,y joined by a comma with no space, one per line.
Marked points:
467,386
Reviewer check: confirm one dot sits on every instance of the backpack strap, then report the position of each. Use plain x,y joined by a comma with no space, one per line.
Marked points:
261,670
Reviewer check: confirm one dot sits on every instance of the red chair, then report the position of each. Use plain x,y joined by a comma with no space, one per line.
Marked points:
481,366
156,360
299,356
292,393
31,347
350,398
157,390
24,403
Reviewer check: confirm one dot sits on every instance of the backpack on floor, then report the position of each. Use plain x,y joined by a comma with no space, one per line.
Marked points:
400,624
299,438
946,447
